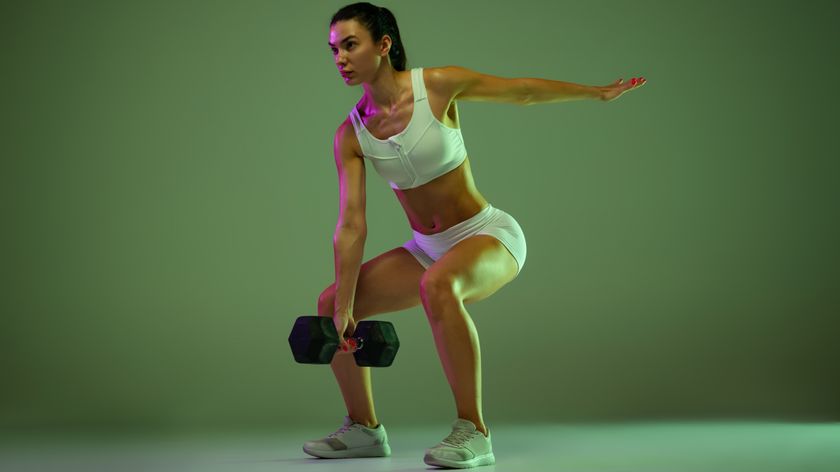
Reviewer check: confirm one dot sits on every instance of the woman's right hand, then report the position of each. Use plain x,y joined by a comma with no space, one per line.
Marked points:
345,326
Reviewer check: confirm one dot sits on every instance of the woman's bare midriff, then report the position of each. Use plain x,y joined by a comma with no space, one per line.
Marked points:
443,202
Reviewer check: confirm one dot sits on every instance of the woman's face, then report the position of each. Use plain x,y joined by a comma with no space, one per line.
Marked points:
353,51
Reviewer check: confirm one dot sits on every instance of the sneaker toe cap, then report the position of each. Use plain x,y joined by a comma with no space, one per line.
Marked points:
322,445
451,454
313,445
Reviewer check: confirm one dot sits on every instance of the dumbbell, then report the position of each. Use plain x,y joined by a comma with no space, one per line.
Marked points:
314,340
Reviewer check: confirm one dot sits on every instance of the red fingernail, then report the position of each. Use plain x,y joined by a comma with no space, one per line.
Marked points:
633,81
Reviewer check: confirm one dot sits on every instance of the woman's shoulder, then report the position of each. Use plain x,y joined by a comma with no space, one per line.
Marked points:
346,136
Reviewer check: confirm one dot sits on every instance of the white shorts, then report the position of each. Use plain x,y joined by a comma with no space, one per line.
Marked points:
427,248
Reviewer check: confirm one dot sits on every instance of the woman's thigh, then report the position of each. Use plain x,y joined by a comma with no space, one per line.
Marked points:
388,282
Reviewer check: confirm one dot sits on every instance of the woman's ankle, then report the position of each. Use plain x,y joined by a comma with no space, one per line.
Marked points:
370,423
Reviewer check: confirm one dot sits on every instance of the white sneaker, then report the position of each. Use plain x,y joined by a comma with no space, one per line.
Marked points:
351,440
464,447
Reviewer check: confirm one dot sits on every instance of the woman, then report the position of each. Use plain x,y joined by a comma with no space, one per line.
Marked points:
463,249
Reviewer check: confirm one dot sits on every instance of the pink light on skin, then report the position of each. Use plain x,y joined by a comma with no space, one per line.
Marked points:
352,345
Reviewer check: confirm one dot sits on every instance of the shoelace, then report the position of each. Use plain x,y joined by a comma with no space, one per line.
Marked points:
341,430
458,437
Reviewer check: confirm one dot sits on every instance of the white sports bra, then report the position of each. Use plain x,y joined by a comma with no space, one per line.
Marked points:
424,150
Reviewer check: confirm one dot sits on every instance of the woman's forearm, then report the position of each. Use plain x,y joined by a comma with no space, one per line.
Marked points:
348,246
547,91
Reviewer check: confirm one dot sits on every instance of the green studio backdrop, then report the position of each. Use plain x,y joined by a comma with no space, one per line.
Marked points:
169,197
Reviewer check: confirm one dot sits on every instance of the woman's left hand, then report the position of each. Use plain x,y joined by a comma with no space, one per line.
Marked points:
615,89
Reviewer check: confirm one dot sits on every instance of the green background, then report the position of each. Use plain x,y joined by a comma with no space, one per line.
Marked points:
169,196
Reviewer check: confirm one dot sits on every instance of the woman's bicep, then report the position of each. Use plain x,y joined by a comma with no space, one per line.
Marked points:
351,179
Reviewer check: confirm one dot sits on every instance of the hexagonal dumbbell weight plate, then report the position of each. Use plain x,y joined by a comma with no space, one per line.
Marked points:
314,340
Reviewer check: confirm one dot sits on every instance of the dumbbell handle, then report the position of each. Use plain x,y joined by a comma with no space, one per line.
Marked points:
356,343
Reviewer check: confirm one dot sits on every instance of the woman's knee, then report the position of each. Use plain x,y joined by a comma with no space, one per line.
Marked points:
436,287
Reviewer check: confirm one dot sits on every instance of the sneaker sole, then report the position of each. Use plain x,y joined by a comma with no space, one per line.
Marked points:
379,450
484,459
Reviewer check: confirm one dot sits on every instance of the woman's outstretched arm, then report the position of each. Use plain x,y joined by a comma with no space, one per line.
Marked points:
462,83
547,91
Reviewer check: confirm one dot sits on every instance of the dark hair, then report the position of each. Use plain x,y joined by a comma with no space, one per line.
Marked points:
379,21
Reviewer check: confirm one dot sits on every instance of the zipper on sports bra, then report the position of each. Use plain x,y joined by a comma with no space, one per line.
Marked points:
406,163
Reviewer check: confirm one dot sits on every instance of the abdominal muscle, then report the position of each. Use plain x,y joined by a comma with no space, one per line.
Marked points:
442,202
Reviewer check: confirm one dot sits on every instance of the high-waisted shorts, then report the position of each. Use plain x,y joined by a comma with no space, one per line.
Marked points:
427,248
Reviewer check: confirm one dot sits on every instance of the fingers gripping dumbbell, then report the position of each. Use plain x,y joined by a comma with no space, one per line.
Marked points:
314,340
